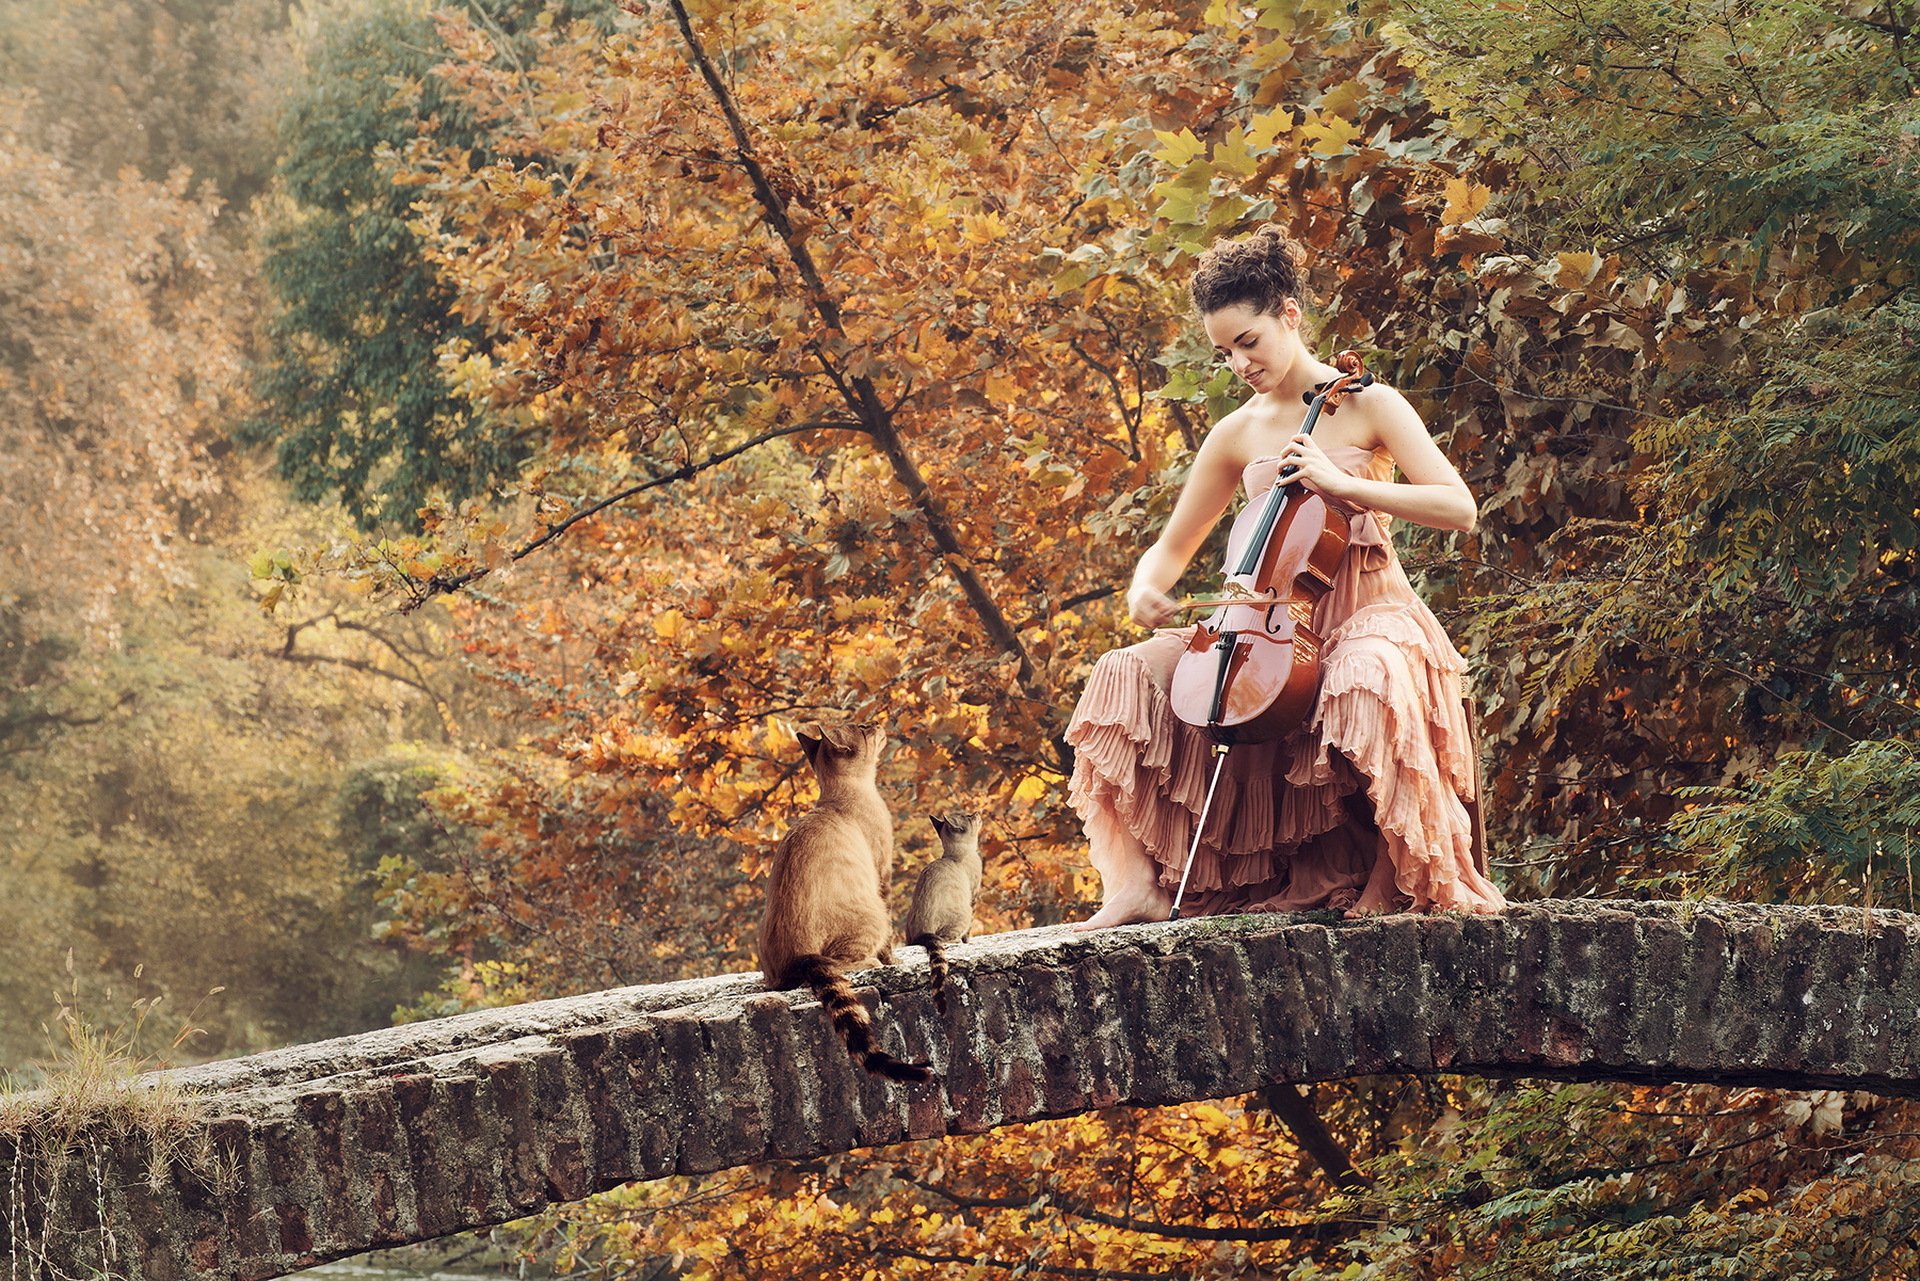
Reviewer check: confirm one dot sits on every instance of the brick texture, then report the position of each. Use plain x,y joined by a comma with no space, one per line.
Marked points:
415,1132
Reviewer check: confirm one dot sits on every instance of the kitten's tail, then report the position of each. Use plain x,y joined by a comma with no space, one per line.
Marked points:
850,1019
936,967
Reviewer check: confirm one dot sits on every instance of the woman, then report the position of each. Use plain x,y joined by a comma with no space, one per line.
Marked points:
1366,807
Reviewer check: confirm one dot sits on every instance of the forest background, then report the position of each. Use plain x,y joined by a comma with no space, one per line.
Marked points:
443,452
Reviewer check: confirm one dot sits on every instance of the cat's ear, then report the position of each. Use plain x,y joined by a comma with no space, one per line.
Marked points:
809,744
939,824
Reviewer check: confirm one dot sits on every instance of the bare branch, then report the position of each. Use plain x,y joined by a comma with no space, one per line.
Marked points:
438,585
1312,1230
358,665
861,397
1298,1113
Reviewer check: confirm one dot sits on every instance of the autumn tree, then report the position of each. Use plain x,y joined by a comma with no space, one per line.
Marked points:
179,803
852,343
158,86
890,264
114,373
357,402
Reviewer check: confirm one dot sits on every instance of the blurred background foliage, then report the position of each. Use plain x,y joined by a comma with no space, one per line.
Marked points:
444,452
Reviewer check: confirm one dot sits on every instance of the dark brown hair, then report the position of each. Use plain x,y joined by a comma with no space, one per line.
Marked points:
1260,269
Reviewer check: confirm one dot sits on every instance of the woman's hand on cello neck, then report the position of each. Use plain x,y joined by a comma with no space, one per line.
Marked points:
1304,461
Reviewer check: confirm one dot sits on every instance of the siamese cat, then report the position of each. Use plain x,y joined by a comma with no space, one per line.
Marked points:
942,910
826,897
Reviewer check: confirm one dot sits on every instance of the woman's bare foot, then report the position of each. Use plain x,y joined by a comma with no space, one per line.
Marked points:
1151,903
1381,895
1368,905
1343,898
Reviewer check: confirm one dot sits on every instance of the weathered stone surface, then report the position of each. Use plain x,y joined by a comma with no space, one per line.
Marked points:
418,1131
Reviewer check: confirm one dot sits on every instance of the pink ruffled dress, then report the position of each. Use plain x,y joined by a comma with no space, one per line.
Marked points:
1385,763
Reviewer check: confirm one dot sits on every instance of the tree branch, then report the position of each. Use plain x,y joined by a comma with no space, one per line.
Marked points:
393,647
358,665
419,681
858,390
1297,1112
1128,416
1317,1230
1097,593
10,727
439,585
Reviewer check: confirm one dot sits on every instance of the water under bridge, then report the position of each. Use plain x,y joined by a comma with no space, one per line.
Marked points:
415,1132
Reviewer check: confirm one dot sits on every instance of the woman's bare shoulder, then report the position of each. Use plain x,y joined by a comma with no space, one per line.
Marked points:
1394,425
1382,416
1226,439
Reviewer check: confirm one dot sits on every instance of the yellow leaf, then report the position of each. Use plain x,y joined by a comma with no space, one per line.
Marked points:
1001,389
1465,199
1344,98
670,624
1177,149
1330,135
1576,269
1233,156
1266,130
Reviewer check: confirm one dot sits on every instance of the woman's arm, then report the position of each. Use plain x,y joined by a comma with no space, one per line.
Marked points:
1432,494
1210,487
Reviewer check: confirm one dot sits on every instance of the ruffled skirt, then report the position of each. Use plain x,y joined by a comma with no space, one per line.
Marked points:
1384,765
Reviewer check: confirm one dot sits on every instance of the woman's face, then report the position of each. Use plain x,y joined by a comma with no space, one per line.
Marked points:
1260,347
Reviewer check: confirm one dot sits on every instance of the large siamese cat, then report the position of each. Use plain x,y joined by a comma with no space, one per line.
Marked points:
942,910
826,897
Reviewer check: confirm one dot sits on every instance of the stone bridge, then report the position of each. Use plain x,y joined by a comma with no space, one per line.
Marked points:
419,1131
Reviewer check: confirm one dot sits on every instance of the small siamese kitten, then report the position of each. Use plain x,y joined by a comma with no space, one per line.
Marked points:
942,910
826,896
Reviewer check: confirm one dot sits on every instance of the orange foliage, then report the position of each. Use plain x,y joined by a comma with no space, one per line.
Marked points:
841,333
883,462
117,370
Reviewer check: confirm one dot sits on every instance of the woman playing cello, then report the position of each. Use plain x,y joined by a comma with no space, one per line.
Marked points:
1365,807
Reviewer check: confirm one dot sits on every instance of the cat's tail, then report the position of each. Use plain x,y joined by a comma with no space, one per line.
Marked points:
850,1018
936,967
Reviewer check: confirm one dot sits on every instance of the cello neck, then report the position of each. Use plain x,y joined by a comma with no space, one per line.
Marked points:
1279,495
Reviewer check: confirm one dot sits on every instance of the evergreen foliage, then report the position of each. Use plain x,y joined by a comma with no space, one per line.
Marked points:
357,398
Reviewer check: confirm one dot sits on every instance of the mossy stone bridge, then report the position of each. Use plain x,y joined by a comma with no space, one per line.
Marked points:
416,1132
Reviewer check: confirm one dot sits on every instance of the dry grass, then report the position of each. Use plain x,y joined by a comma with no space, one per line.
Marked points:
94,1096
96,1080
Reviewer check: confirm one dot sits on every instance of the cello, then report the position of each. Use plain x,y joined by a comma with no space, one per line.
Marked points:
1251,669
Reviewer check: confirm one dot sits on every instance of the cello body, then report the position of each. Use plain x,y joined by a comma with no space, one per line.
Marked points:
1252,668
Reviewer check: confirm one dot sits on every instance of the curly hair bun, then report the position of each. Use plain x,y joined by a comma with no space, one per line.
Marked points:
1260,269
